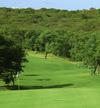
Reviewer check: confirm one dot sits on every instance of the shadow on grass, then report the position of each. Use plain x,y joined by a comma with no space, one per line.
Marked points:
37,87
43,79
30,75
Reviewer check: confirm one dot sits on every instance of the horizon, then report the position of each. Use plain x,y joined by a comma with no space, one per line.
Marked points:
47,8
61,4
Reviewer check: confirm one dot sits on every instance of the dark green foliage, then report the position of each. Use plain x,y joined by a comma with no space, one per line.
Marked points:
87,49
11,58
92,51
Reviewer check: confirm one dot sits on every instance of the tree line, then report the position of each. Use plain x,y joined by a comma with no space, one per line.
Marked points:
72,34
29,18
79,47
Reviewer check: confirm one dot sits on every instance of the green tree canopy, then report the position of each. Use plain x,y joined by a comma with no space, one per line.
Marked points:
86,48
11,58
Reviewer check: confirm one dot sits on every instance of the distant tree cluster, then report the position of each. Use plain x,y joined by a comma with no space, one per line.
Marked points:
79,20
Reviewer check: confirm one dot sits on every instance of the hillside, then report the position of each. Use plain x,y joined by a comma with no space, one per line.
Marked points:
79,20
71,34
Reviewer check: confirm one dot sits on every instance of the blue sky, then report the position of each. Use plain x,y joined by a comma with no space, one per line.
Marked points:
57,4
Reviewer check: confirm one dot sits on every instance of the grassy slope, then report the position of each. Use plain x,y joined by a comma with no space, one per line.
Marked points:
53,84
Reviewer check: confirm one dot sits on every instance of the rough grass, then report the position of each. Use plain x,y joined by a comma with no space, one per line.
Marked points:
48,83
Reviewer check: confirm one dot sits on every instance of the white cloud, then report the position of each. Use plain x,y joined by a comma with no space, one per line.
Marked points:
15,7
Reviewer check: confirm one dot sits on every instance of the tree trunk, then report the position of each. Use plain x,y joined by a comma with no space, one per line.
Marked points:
46,55
95,68
98,69
12,78
13,81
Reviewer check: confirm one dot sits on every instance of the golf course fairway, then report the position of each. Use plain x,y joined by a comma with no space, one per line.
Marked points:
50,83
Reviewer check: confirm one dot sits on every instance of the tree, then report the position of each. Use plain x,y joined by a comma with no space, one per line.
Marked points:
11,58
92,52
47,49
86,48
44,41
60,46
77,43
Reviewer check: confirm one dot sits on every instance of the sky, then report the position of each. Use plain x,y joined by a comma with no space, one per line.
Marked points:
57,4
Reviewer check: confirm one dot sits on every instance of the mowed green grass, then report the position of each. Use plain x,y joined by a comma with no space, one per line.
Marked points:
48,83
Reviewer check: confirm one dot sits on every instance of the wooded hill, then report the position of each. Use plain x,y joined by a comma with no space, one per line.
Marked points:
65,33
79,20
